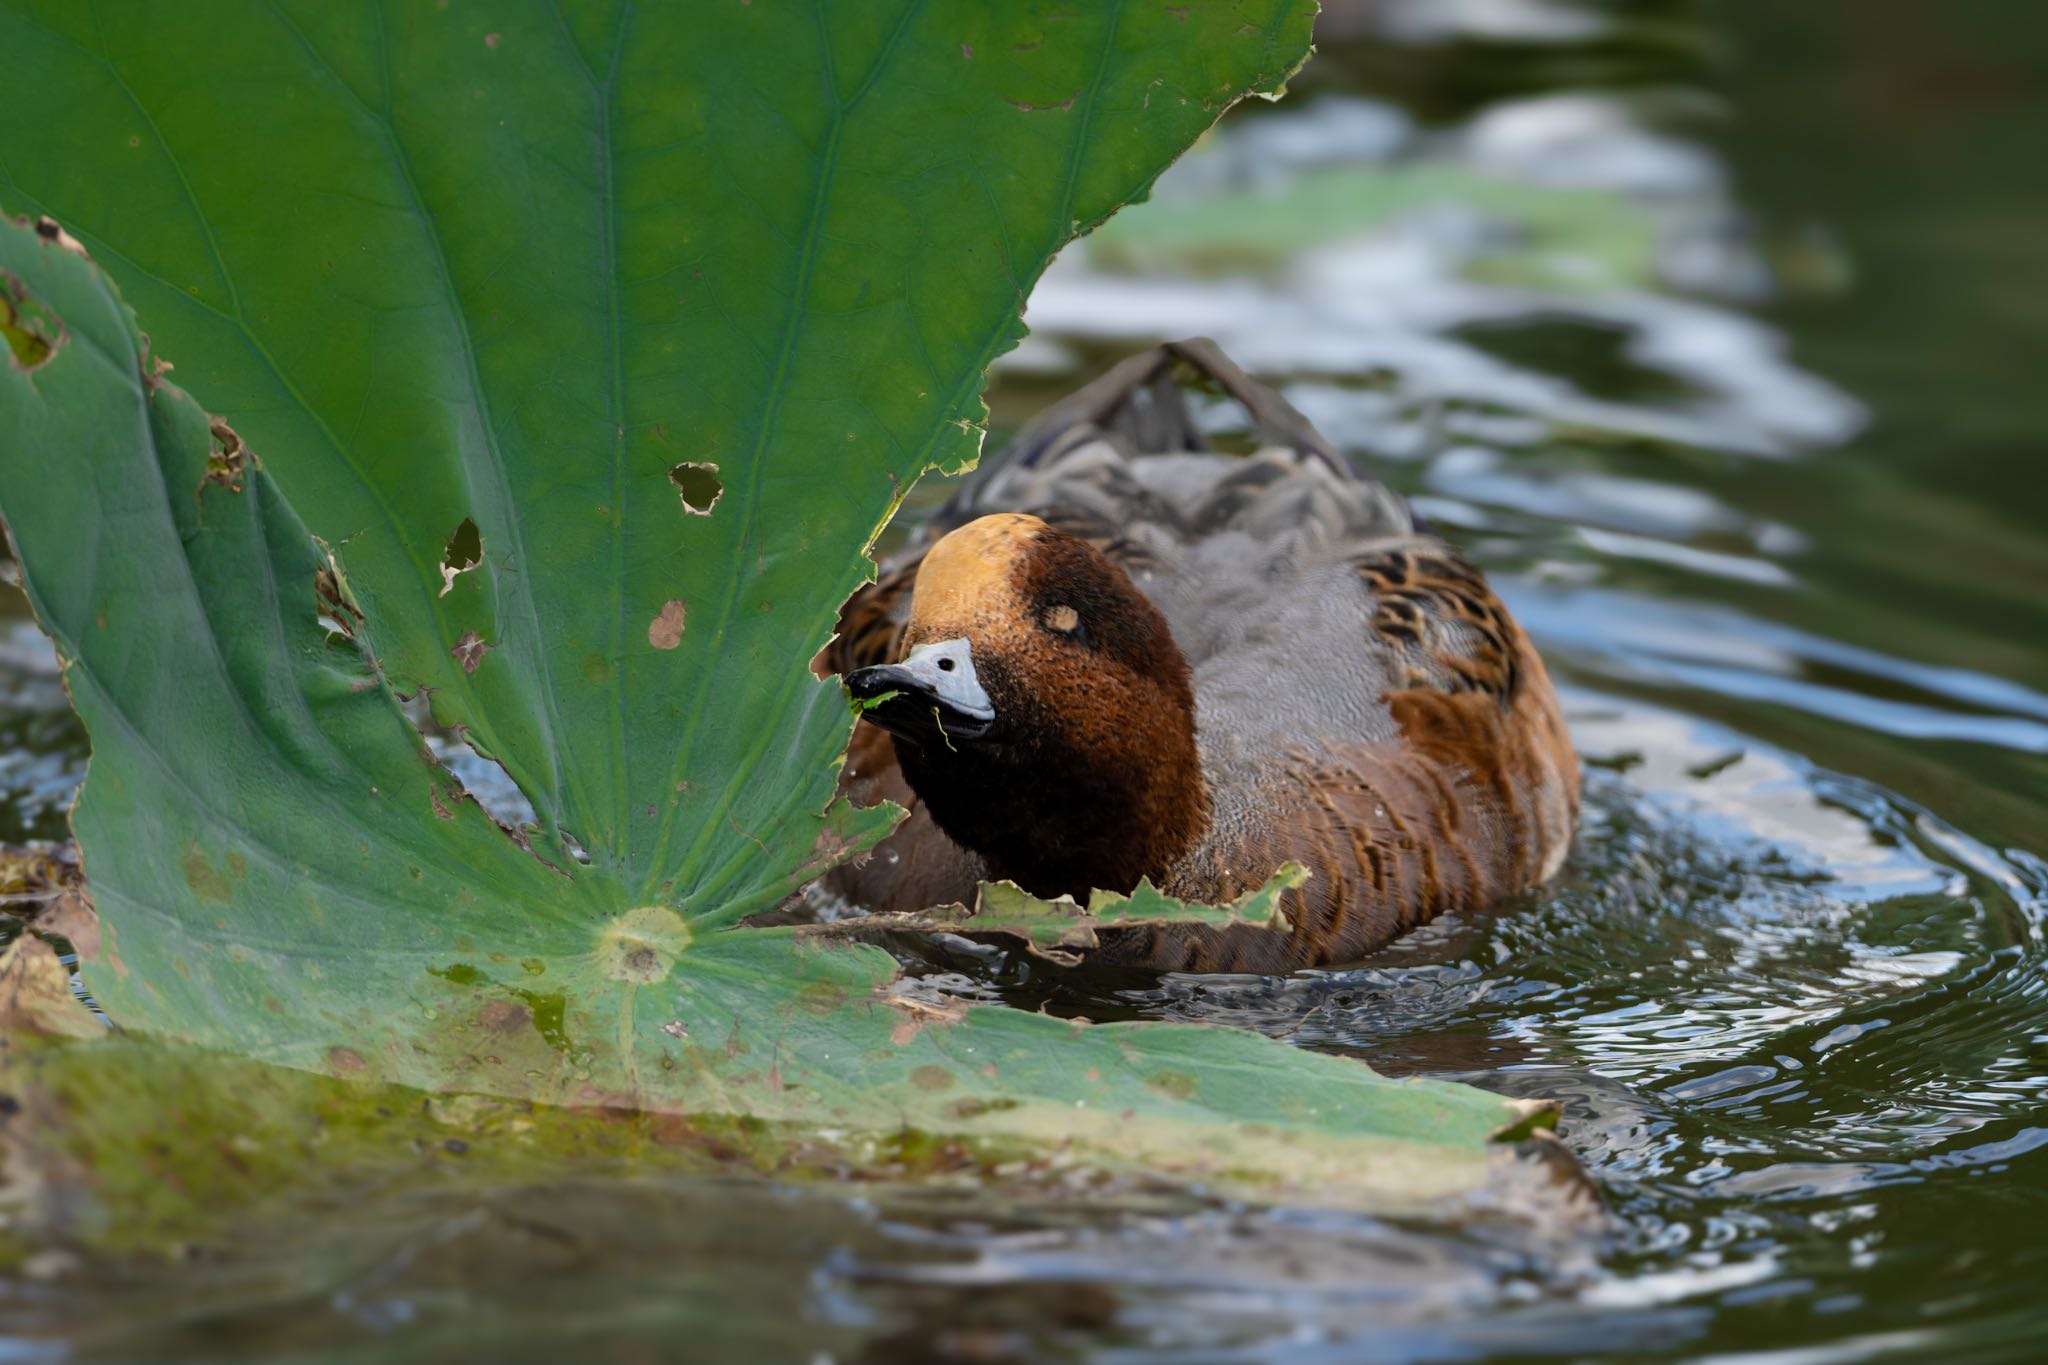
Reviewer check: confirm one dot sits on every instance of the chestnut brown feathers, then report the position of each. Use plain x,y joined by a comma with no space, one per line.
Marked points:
1119,656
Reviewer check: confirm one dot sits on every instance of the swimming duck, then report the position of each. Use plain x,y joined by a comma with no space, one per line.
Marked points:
1118,655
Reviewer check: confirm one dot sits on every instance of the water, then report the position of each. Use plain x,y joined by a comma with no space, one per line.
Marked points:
1714,333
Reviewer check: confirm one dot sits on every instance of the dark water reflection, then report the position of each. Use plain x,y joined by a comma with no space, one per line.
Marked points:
1715,333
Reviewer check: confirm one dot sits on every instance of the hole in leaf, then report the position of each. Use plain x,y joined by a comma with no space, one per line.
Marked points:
337,609
227,460
33,335
52,231
699,485
464,551
476,775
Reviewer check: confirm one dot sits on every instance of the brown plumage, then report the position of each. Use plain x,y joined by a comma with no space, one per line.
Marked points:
1117,655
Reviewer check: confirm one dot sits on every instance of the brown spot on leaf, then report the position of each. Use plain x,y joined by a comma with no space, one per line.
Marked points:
206,883
503,1016
469,651
931,1078
346,1061
1063,106
919,1014
665,631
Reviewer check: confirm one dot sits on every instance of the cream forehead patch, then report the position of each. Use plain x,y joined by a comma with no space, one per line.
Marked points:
971,565
1061,618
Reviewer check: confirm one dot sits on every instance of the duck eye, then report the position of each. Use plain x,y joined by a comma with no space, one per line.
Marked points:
1063,619
946,665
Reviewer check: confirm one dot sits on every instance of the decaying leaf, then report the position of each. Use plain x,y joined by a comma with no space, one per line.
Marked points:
228,459
469,651
35,993
1064,932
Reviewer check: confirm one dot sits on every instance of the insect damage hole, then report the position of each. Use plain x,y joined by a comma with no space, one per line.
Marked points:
227,459
697,481
32,334
336,608
464,551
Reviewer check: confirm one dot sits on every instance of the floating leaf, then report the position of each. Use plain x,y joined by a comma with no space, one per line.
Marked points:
1064,931
1559,238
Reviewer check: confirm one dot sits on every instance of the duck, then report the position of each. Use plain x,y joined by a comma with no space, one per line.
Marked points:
1117,655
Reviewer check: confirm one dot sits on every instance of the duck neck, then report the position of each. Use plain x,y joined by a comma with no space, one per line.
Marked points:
1062,823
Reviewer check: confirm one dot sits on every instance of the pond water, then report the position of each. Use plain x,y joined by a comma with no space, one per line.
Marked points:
1715,334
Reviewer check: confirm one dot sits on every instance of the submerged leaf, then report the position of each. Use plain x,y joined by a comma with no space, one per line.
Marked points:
142,1147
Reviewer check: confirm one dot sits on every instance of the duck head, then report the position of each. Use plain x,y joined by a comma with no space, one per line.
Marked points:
1042,711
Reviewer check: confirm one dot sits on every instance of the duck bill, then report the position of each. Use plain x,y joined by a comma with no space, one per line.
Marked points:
910,706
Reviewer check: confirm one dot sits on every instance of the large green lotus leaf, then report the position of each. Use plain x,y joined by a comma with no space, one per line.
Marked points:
511,263
281,867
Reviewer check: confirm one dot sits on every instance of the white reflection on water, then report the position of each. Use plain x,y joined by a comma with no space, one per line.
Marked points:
1560,208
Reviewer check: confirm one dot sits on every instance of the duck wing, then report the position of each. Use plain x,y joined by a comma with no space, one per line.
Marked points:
1468,796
